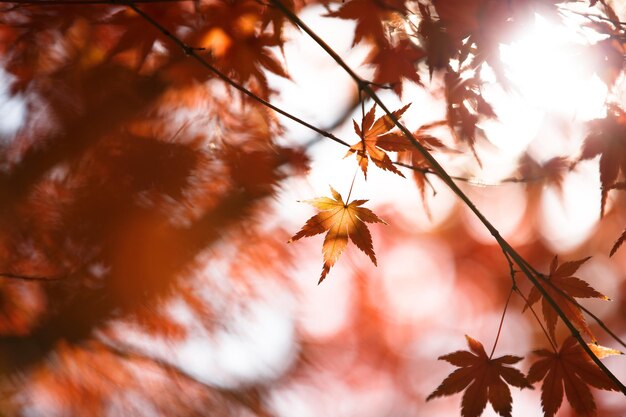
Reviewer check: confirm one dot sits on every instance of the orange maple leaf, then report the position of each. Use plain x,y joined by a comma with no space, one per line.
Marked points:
370,136
563,287
572,369
341,220
486,380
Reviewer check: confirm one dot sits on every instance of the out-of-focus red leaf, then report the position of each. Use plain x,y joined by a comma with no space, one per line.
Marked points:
394,63
607,139
551,172
236,35
371,16
465,105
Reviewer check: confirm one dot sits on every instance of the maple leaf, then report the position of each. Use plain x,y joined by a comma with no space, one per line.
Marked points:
562,288
608,139
342,220
440,47
370,16
236,36
370,143
138,35
395,63
551,172
572,369
486,380
465,106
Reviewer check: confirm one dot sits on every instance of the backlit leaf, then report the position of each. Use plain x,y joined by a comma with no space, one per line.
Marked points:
483,379
370,147
562,288
569,370
342,221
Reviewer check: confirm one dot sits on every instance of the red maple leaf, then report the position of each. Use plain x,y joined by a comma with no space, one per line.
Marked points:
562,288
572,369
236,35
486,380
396,62
370,16
465,105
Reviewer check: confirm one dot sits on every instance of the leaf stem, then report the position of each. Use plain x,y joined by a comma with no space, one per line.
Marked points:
356,171
506,305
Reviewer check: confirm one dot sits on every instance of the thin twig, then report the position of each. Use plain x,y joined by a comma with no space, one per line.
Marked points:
592,16
472,181
512,270
445,177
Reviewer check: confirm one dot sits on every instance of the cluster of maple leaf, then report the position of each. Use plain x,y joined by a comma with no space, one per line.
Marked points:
485,379
568,369
110,203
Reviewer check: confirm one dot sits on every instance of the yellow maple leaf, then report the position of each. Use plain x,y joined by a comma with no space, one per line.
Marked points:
342,220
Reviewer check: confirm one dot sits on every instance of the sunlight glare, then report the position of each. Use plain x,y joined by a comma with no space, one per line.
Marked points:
548,68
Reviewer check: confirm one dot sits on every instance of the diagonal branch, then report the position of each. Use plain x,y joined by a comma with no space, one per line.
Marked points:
445,177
